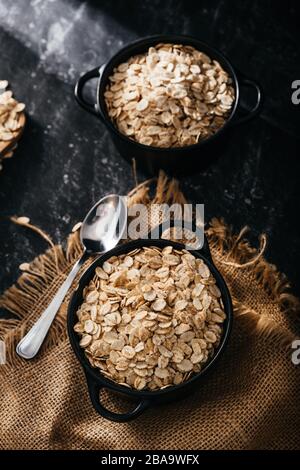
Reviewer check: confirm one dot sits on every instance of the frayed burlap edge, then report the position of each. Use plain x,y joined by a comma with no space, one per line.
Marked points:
232,250
236,251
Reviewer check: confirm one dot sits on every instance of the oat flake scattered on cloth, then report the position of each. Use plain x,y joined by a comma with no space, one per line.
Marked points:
248,402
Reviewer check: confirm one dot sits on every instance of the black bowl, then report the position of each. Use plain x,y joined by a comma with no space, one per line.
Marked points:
176,160
145,399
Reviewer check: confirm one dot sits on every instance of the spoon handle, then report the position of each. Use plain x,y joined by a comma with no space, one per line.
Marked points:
29,346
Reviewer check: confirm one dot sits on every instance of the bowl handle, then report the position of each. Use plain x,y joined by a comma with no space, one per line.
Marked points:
78,91
247,82
95,395
157,232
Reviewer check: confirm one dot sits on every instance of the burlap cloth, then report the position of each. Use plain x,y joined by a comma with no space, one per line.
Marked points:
250,401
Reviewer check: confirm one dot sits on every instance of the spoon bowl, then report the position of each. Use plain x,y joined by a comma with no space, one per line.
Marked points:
104,224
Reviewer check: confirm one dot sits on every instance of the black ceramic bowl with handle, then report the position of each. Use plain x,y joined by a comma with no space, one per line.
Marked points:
144,399
176,159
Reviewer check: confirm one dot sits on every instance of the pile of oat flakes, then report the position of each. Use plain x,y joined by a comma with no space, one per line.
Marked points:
151,318
171,96
10,111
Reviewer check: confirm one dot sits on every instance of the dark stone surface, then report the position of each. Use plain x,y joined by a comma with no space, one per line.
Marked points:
66,160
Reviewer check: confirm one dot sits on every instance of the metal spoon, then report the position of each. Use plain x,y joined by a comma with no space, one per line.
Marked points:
101,231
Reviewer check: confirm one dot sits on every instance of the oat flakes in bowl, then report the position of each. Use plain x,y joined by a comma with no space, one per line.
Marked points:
95,287
170,96
193,151
151,318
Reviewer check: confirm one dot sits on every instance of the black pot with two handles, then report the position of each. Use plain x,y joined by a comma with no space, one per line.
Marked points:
178,160
143,399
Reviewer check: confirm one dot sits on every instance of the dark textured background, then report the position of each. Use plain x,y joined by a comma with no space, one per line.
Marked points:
66,161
